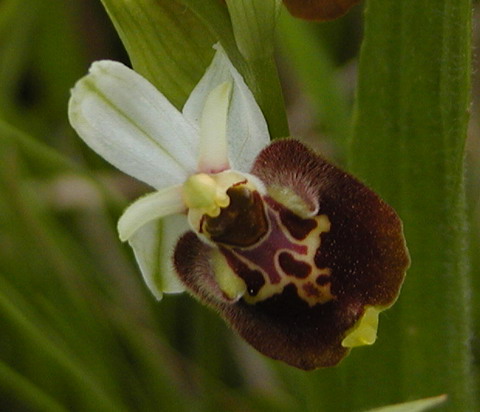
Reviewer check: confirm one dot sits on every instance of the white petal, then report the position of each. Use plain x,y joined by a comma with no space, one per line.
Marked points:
150,207
216,74
121,116
153,248
213,155
247,130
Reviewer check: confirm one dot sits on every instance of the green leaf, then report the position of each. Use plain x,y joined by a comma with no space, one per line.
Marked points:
16,28
410,130
166,42
170,43
27,392
44,157
260,73
48,162
307,54
42,342
253,20
57,58
414,406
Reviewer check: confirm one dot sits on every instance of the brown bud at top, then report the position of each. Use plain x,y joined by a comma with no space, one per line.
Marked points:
319,10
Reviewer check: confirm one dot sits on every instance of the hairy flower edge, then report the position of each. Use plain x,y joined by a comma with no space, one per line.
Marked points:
363,249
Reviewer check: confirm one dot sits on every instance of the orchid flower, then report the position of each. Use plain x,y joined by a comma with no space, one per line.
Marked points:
295,254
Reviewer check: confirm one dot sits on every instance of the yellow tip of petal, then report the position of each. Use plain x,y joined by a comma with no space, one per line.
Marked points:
365,330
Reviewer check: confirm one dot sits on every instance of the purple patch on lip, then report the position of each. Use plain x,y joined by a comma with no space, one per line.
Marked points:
263,253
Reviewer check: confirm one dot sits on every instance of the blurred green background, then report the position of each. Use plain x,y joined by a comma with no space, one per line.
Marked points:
79,329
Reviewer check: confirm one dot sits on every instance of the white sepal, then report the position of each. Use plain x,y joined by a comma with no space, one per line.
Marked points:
153,246
247,131
121,116
150,207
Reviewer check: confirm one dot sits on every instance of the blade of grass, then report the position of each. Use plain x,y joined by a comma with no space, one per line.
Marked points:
410,129
57,355
306,54
61,284
413,406
26,392
37,153
73,319
17,23
58,60
49,161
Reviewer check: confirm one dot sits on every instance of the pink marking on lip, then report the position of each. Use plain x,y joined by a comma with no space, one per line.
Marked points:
209,170
264,254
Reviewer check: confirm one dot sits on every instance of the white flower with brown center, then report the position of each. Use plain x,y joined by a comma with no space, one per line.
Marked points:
298,256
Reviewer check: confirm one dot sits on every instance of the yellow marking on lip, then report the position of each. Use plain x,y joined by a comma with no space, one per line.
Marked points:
312,243
289,198
232,285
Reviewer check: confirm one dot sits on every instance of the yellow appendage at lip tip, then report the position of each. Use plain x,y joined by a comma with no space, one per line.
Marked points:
365,330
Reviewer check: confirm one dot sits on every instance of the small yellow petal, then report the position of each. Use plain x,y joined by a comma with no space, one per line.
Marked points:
365,330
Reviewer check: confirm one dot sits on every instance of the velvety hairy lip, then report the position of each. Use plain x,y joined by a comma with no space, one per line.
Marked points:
360,262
